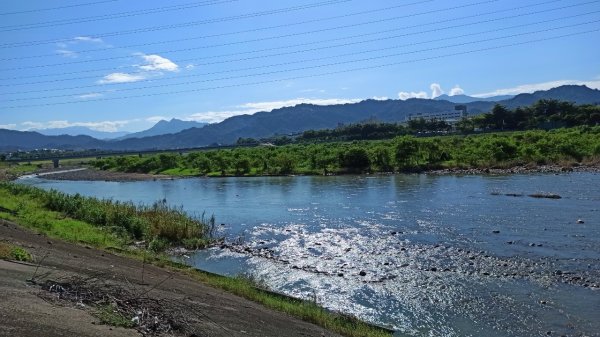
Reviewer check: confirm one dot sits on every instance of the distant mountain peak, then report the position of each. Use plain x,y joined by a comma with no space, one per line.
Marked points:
81,131
164,127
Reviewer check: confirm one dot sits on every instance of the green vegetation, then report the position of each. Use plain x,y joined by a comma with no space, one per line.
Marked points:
159,224
110,315
306,310
404,153
12,252
545,114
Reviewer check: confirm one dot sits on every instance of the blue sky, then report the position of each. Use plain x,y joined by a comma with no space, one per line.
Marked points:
122,65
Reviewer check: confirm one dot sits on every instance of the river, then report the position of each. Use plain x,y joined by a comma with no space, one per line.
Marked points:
424,255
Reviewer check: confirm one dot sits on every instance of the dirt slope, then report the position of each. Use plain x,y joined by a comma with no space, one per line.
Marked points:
210,312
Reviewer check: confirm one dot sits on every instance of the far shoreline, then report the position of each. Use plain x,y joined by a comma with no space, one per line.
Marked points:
91,174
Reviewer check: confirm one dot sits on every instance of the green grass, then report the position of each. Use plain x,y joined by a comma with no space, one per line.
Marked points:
31,214
305,310
181,172
12,252
140,222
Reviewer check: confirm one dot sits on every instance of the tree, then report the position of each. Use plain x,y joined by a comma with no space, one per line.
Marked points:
383,159
407,148
203,164
465,125
222,163
242,166
500,117
355,160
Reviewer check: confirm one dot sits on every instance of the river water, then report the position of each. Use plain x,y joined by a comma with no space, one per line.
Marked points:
423,255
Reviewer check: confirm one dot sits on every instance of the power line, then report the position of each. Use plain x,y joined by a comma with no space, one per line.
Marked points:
57,8
311,32
306,76
333,46
63,22
249,30
185,24
203,47
325,65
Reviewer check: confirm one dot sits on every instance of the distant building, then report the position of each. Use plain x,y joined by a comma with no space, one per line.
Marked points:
452,116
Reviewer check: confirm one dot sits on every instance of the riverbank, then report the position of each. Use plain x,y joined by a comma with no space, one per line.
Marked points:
91,174
24,206
519,169
191,308
88,174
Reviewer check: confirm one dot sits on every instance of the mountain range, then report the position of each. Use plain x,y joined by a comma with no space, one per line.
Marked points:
462,99
81,131
164,127
284,121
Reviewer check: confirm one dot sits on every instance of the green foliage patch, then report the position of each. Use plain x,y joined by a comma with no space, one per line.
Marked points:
403,153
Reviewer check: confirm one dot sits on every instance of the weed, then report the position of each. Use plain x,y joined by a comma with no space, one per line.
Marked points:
109,315
11,252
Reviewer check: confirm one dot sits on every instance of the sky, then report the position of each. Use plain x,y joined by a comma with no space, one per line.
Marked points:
123,65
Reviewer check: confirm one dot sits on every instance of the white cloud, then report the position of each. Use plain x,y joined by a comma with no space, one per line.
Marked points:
304,91
404,95
529,88
456,91
436,90
108,126
121,78
88,39
67,53
90,95
190,66
154,65
380,98
253,107
8,126
158,63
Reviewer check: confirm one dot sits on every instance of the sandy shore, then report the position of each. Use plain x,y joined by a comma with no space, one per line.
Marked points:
97,175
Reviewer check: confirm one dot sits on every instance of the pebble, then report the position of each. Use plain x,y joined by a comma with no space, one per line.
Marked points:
362,273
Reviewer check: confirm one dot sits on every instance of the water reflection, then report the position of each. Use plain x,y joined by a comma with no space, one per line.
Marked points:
427,255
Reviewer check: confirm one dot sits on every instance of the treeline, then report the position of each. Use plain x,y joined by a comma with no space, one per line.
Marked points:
404,153
544,114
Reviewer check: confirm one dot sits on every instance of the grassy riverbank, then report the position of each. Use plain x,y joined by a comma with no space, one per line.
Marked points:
115,226
567,146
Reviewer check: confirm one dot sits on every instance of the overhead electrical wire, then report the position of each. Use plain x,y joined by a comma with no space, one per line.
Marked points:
320,65
56,8
327,57
370,67
304,33
186,24
257,29
319,59
233,43
155,10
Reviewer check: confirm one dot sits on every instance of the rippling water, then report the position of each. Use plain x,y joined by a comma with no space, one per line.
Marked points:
424,255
